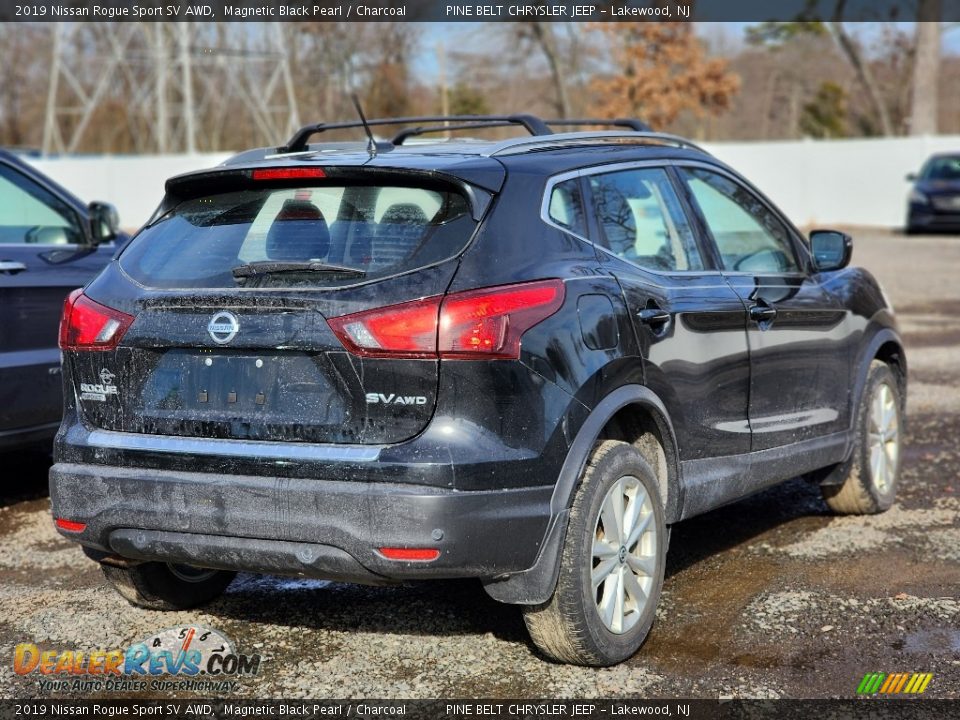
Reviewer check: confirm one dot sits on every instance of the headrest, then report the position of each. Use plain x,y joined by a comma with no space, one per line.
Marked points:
299,232
404,214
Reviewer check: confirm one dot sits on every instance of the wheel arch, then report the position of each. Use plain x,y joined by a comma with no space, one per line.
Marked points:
887,347
891,353
632,413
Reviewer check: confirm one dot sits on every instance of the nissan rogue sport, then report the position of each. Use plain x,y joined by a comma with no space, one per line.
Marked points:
515,360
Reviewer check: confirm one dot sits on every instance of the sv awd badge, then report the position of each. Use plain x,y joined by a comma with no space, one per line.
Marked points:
391,399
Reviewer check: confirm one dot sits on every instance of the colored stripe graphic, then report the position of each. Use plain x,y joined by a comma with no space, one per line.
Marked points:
870,683
904,677
894,683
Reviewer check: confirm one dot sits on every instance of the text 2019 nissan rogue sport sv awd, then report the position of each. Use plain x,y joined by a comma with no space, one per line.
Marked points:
517,360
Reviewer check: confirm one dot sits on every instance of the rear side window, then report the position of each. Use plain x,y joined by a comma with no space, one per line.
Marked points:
642,221
299,237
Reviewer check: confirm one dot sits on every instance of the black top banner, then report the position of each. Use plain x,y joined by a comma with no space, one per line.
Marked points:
476,11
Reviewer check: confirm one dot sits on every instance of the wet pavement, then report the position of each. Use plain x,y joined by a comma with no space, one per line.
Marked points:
770,597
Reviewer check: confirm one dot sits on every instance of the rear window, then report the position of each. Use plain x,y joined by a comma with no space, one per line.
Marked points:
318,236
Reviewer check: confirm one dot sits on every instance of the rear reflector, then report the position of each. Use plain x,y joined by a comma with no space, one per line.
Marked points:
469,325
421,554
70,525
288,173
88,325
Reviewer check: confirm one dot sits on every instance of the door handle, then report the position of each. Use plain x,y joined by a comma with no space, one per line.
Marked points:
654,317
11,266
763,313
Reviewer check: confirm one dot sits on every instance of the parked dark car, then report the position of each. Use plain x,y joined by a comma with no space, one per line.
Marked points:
516,360
934,202
50,243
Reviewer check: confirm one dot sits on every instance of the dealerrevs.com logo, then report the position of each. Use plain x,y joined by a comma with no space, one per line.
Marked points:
188,657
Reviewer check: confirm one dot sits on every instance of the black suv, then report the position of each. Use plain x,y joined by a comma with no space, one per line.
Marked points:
515,360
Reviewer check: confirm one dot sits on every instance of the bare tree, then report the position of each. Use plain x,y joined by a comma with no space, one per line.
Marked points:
542,35
862,68
926,69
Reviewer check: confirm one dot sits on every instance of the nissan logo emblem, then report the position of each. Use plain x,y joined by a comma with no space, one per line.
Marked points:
223,327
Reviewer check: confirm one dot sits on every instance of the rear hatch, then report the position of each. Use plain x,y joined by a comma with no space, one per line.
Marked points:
233,292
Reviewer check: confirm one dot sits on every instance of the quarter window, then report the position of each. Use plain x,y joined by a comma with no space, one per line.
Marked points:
750,237
566,206
642,221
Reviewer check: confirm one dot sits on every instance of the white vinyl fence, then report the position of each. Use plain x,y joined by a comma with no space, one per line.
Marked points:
830,182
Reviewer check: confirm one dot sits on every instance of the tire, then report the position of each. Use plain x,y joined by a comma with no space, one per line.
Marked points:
869,478
569,628
165,586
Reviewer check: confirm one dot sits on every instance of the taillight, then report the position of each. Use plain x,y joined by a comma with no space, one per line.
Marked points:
490,322
88,325
407,330
467,325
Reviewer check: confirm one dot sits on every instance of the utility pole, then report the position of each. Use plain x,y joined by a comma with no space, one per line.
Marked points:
167,84
444,90
51,132
926,70
186,72
160,85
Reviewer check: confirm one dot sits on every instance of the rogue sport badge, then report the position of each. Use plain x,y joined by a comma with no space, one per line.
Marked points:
223,327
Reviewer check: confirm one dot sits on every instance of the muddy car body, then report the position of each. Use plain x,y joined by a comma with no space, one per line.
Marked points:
518,360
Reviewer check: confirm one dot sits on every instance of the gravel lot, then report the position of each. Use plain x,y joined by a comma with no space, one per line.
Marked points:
771,597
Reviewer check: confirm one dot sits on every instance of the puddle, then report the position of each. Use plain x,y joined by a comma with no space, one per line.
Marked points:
939,640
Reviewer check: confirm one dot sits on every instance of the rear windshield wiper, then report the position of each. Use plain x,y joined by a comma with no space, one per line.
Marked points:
267,267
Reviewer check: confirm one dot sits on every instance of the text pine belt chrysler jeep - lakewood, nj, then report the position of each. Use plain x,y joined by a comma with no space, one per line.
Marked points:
517,360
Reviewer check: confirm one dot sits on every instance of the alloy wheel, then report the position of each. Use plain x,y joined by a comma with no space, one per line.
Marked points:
624,557
884,438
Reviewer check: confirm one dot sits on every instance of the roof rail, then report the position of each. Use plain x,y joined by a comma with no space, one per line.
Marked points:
514,146
533,125
543,137
631,123
452,124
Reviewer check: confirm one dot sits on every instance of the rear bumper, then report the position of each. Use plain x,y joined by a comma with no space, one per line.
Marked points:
329,529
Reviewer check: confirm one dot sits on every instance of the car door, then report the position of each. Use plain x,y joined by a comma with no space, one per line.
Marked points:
800,356
44,254
689,322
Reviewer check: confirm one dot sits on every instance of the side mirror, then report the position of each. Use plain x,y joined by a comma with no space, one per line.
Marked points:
911,177
831,249
104,222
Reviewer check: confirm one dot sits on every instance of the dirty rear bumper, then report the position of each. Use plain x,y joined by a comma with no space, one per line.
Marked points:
327,529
